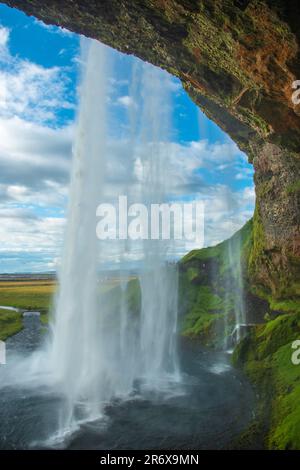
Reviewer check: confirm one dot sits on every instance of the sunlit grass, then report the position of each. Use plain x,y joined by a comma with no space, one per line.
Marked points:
10,323
33,295
27,295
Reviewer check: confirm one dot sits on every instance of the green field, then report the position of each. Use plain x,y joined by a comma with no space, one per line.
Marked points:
25,295
28,294
10,323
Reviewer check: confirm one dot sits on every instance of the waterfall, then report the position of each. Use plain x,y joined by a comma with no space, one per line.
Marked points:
98,353
77,354
158,280
235,267
234,293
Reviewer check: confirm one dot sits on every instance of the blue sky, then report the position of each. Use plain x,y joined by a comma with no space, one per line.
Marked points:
39,75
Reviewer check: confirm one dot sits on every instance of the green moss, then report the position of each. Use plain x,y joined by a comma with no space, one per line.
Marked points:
293,188
277,283
276,333
265,356
203,255
288,306
10,323
133,296
263,189
205,299
218,45
285,423
240,242
205,313
192,274
45,318
204,326
255,121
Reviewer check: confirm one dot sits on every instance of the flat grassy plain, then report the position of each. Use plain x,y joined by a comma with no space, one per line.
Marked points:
28,295
10,323
24,295
32,294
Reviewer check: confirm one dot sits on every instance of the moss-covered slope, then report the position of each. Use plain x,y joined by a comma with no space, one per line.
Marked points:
266,357
210,280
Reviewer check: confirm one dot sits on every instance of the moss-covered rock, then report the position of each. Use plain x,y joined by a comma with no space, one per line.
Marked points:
210,279
266,357
274,263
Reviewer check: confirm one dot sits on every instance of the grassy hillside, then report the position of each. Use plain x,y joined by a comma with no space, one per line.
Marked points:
207,288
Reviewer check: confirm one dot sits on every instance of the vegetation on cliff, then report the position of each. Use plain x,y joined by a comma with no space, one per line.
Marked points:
265,355
207,288
271,276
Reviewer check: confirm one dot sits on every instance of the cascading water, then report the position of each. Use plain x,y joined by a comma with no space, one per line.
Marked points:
76,350
158,280
97,353
235,267
234,302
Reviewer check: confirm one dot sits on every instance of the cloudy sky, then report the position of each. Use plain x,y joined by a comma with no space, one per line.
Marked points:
39,76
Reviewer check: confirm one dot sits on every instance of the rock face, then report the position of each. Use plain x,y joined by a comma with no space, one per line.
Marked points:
238,60
274,261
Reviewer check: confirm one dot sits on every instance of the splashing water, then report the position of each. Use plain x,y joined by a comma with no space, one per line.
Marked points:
234,288
98,354
235,265
158,281
76,351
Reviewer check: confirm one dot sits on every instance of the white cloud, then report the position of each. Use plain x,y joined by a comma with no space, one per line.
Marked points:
125,101
28,90
32,92
4,36
249,194
34,168
34,171
22,230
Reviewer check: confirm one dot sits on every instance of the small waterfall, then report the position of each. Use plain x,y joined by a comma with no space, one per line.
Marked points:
235,263
98,353
234,297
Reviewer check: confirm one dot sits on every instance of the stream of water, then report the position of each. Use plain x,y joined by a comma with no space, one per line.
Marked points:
215,407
